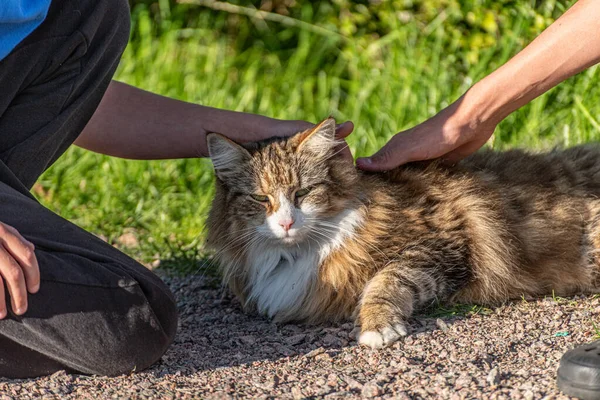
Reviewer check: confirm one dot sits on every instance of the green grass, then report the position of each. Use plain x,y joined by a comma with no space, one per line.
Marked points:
456,310
383,84
596,331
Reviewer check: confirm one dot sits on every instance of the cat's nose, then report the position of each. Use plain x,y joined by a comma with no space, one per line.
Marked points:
286,224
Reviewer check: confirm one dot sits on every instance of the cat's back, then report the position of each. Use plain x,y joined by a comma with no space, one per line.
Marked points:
495,176
573,171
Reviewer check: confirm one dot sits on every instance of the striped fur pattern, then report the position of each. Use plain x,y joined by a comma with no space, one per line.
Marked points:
301,235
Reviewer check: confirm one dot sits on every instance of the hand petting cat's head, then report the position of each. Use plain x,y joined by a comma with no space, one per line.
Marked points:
280,190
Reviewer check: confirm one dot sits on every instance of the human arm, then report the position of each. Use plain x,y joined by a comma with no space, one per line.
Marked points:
568,46
133,123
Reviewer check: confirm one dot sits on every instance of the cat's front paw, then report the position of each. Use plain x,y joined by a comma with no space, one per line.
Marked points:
377,339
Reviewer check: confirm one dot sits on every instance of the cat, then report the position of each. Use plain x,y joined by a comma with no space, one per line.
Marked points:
300,234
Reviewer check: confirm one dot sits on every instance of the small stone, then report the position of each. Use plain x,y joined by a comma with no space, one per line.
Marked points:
297,393
128,239
493,377
442,325
332,380
248,340
284,350
353,384
370,389
315,352
323,356
330,340
272,383
382,378
296,339
267,349
528,395
58,375
402,396
463,381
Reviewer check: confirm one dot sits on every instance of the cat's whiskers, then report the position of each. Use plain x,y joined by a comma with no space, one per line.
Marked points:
218,253
231,268
238,257
236,242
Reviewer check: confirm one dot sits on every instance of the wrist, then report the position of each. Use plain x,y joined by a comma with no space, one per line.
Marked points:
507,89
486,103
475,110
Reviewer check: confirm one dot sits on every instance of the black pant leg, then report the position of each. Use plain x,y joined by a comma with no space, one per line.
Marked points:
97,310
51,84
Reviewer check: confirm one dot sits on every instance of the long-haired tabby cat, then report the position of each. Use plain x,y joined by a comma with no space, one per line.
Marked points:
302,235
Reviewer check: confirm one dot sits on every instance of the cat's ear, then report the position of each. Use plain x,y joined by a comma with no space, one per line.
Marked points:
319,139
226,155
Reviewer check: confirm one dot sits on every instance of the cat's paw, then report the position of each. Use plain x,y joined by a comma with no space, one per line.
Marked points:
383,337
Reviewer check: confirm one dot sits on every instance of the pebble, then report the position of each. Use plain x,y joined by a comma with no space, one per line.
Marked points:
248,340
296,339
297,393
493,377
442,325
315,352
353,384
370,390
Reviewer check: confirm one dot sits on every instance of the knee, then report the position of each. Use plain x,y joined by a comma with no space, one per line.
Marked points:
142,338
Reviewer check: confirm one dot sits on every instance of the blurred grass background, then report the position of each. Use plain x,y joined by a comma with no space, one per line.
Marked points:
385,65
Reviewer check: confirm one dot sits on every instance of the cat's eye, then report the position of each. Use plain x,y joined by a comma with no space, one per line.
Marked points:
260,198
302,192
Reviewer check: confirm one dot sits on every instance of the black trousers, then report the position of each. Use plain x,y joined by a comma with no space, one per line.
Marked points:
97,310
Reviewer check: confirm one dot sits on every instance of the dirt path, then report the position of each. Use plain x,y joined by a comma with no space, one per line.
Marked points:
511,352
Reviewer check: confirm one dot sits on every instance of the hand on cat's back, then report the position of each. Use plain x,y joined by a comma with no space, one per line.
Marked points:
452,134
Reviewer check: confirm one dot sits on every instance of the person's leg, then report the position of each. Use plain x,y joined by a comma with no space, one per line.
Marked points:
97,310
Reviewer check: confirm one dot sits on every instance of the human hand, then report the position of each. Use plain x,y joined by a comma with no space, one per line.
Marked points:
451,135
18,268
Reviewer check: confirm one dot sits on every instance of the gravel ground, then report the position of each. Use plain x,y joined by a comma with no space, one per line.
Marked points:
511,352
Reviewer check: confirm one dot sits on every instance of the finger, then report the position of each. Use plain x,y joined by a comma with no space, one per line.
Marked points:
23,251
397,151
343,130
407,146
401,148
15,281
3,310
343,151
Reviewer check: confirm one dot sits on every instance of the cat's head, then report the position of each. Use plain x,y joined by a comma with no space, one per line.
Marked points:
280,191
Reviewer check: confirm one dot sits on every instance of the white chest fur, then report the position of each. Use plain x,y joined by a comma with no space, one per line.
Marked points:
281,277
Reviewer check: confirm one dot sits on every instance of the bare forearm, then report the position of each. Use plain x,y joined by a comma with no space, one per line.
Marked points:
568,46
133,123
